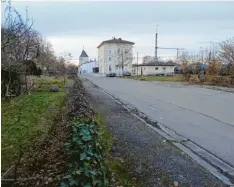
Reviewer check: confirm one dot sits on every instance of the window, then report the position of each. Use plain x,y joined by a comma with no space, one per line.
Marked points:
164,68
109,58
81,58
109,51
156,68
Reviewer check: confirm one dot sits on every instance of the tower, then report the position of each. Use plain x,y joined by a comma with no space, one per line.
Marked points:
83,57
82,60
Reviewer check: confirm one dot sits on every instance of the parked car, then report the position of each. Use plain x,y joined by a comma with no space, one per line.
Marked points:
127,73
110,75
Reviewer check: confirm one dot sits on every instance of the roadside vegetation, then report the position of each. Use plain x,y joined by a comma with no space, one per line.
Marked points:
213,67
209,67
89,149
54,137
119,168
178,78
51,136
26,120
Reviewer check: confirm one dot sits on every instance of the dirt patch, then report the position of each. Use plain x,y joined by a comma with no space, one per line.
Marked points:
44,165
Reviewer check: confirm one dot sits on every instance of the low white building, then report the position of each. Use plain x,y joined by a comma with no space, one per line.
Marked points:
109,57
153,69
86,65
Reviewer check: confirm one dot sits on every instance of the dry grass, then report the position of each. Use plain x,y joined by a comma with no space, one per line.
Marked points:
157,78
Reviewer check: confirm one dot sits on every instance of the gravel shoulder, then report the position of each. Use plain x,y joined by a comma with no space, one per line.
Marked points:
153,161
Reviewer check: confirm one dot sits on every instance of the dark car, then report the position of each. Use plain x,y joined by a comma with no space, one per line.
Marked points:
127,73
110,75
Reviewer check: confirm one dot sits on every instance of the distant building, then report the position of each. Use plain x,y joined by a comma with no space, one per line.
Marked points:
86,65
153,69
108,55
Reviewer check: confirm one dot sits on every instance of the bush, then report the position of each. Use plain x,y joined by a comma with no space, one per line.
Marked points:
226,81
194,79
187,77
79,102
212,79
143,78
86,162
202,78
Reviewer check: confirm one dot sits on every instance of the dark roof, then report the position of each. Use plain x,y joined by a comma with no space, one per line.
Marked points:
154,64
116,40
83,54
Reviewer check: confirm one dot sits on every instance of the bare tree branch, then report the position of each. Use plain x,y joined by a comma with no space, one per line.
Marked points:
227,50
124,57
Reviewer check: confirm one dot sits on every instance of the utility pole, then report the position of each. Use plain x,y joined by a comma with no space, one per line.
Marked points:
137,63
213,52
201,52
202,57
177,55
210,54
156,45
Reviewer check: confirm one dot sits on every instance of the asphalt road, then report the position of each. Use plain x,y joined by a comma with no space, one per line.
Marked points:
202,115
144,152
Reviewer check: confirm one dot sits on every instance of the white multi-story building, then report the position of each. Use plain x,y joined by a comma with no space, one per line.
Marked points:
114,54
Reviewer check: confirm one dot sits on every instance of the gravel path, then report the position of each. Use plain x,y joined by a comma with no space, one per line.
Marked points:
154,161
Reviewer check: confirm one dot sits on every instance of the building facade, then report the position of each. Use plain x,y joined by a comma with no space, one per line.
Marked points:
83,59
115,55
151,69
86,65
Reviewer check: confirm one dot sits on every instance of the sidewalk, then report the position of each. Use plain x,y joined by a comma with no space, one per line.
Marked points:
154,161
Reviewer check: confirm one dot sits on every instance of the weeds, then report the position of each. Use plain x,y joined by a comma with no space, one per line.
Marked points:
86,162
25,120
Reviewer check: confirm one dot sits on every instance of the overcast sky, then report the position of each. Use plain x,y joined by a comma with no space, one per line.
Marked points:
71,25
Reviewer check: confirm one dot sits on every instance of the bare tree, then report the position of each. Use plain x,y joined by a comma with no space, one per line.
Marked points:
227,55
227,50
147,58
124,57
21,47
19,40
19,44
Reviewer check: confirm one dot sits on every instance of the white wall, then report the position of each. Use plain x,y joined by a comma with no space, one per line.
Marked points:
89,67
101,59
83,60
153,70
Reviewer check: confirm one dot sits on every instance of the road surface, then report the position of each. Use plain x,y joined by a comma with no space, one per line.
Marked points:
204,116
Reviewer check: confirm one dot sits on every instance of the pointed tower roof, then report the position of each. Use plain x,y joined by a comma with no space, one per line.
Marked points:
83,54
